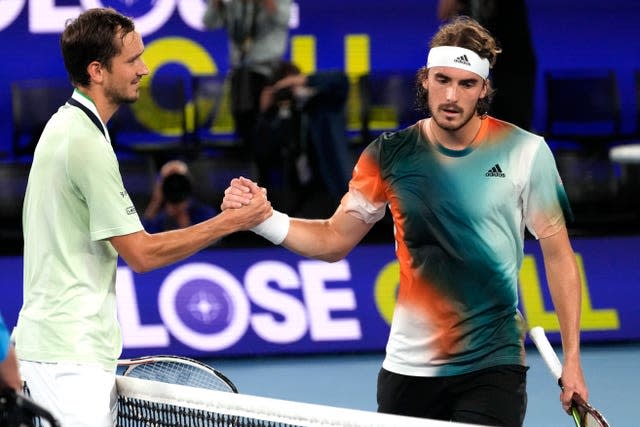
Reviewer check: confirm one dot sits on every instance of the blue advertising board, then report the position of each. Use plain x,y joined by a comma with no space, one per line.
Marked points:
325,34
267,301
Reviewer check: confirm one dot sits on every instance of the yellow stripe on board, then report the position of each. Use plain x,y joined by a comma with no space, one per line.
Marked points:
303,53
357,54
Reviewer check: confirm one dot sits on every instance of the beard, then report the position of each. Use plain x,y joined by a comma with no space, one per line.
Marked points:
119,97
465,117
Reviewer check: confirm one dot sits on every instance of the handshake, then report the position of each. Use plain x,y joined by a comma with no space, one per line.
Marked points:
242,194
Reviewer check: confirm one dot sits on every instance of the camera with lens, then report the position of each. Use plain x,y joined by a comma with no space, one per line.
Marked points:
284,94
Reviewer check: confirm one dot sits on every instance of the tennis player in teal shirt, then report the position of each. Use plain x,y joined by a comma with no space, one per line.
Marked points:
461,187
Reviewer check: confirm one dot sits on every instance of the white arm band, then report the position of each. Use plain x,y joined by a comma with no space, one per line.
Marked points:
275,228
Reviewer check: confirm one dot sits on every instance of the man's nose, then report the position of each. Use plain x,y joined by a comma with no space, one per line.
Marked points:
451,93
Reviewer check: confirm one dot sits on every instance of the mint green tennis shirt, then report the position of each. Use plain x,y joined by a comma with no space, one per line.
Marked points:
75,201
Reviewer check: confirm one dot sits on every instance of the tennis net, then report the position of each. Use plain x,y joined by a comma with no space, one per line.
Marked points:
149,403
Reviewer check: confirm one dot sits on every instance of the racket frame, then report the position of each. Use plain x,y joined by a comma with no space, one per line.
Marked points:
550,357
130,364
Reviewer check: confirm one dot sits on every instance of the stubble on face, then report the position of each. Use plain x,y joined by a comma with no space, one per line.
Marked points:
123,87
438,112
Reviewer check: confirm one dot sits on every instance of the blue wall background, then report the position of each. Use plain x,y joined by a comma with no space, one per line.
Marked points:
567,34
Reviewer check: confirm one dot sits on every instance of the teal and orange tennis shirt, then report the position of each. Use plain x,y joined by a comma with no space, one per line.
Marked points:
459,222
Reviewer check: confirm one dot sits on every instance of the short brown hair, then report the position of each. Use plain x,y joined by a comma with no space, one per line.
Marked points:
92,37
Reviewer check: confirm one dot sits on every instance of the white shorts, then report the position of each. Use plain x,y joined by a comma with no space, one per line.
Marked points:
77,395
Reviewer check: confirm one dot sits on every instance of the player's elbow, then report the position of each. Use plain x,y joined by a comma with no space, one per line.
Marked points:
334,256
138,264
133,249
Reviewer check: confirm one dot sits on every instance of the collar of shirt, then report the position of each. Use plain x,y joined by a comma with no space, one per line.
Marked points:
87,102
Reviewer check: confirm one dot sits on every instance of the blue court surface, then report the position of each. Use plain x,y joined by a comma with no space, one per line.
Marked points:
349,380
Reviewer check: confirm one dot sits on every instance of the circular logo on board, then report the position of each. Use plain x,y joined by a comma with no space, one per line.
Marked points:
204,306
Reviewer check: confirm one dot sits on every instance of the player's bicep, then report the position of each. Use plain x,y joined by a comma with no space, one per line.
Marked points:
349,229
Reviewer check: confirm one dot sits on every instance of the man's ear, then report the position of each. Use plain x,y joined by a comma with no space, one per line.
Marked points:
95,70
485,89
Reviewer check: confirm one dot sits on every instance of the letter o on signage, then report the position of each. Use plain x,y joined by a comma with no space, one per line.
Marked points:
151,21
238,318
10,11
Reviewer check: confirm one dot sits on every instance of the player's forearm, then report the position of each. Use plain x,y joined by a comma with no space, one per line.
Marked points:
178,244
145,252
569,318
315,239
564,284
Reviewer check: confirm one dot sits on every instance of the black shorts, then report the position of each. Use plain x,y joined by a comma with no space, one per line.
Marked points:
493,396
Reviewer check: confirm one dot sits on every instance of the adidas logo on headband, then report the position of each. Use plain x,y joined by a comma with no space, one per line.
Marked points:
463,60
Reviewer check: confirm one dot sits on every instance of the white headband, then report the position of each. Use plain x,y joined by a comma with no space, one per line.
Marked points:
458,57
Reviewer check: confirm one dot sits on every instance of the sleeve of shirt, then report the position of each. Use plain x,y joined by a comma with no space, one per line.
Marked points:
366,198
4,340
545,202
282,13
94,172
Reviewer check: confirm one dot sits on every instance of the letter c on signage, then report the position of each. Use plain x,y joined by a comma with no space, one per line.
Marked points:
385,291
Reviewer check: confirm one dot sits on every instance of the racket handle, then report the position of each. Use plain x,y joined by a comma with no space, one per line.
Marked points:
546,351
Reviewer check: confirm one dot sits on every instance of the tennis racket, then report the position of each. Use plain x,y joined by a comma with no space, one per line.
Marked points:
583,414
177,370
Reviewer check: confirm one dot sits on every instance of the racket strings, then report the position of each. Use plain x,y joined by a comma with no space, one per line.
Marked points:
586,416
182,374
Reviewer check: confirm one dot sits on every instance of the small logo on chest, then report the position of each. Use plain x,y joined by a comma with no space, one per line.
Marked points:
495,171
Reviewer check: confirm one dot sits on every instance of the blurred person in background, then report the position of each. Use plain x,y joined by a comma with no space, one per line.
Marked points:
258,32
172,203
514,75
303,125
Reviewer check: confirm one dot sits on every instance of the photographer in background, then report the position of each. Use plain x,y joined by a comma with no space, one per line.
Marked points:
302,130
258,31
172,204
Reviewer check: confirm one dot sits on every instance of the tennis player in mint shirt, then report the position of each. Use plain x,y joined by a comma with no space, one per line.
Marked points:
78,218
461,187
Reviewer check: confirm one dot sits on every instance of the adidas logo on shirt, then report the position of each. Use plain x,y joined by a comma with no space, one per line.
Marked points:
463,60
495,171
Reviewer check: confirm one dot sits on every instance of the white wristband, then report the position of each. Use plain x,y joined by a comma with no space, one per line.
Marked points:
275,228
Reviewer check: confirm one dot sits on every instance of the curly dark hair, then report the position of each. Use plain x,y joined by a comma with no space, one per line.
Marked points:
461,31
92,37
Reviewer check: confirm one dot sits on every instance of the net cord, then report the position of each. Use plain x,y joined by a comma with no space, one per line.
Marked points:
264,408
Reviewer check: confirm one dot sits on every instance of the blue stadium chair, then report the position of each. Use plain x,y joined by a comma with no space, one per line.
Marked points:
213,127
155,126
33,102
583,121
